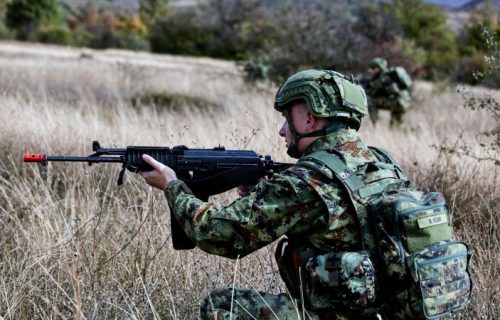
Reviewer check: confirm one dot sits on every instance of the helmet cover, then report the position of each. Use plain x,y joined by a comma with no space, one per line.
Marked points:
380,63
327,94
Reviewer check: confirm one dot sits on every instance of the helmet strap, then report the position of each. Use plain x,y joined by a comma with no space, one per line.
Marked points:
336,125
292,150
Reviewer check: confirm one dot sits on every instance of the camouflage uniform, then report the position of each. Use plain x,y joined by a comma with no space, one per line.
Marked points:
384,93
307,206
289,204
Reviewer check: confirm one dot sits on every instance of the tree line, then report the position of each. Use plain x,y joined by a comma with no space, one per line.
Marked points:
273,38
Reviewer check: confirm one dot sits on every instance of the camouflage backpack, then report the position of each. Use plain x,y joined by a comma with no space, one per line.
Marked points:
420,272
402,77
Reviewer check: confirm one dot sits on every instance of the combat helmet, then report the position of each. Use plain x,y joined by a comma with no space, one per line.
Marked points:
327,94
380,63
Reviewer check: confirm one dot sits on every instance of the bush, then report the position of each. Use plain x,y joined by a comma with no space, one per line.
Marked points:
474,49
5,33
119,40
467,68
425,24
181,33
101,28
310,35
54,34
172,101
82,37
24,16
228,29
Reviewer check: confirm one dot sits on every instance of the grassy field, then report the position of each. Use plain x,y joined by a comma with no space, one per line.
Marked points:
75,245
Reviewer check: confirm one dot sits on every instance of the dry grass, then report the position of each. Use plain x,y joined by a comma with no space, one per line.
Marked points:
74,245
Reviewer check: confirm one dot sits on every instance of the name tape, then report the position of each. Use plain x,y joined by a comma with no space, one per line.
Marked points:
432,221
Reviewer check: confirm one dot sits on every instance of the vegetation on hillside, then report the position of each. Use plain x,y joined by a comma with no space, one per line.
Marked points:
274,39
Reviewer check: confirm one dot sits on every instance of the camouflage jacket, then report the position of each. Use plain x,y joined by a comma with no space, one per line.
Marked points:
298,202
384,86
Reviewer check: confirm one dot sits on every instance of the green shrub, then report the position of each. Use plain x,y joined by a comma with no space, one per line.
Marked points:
180,33
119,40
468,66
107,27
5,33
173,101
425,24
228,29
150,10
54,34
24,16
82,37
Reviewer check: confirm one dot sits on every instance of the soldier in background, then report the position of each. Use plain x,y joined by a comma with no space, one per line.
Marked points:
387,89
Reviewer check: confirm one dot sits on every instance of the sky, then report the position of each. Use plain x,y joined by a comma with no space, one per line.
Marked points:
451,3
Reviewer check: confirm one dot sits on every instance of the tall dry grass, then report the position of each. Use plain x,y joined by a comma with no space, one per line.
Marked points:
75,245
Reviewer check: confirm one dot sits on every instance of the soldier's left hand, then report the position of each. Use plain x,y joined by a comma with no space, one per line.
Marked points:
160,176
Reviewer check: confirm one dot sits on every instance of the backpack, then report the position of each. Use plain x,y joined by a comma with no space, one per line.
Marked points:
401,77
420,272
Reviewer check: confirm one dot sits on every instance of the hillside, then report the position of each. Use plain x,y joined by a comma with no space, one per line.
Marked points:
464,5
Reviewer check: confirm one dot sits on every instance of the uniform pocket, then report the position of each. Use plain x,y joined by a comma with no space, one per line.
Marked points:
340,279
441,272
426,224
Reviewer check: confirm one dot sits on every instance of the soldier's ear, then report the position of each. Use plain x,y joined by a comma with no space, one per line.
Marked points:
311,121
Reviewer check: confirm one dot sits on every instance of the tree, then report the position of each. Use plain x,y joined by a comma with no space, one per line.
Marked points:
24,16
425,24
150,10
383,37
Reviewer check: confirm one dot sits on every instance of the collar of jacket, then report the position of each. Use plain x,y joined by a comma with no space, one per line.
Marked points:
334,139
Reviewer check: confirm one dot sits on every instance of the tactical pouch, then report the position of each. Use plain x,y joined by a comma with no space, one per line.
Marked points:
340,279
441,272
420,222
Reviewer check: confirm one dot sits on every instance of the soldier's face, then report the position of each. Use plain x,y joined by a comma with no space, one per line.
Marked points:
301,119
374,71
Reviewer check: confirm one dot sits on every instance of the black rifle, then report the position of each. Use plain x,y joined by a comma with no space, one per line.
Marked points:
205,171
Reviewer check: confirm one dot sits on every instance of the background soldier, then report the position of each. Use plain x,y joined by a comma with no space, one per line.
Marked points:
387,89
323,111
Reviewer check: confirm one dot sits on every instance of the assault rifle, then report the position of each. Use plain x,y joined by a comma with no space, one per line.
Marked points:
205,171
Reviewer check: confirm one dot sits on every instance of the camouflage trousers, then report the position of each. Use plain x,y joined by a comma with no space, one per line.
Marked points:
239,304
397,107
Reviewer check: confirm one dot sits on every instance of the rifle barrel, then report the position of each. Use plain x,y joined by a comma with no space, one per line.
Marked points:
85,159
43,158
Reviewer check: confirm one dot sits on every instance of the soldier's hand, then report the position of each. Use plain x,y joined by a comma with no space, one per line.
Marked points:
243,190
160,176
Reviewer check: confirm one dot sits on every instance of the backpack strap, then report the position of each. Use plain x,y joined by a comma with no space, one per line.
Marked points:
351,182
348,177
384,156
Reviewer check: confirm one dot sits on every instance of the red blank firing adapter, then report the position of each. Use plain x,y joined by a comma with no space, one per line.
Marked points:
35,157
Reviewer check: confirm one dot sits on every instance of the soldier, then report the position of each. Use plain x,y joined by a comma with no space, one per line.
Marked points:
387,89
323,111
